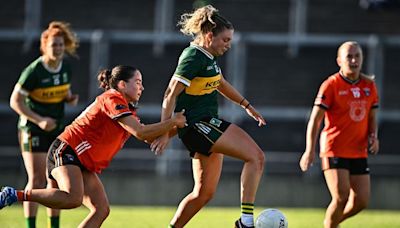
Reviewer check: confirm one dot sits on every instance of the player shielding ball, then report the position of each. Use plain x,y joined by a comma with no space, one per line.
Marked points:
194,87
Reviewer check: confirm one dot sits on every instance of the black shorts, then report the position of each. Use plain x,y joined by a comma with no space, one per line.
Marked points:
34,141
59,154
356,166
202,135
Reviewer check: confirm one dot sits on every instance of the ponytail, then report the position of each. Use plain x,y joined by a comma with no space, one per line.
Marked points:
104,79
203,20
108,79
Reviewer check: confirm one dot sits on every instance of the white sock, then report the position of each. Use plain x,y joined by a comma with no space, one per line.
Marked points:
247,219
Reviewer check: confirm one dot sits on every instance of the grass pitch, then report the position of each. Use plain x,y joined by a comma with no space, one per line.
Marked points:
209,217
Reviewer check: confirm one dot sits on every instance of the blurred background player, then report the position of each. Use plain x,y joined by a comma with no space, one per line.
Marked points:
39,97
194,87
348,101
87,146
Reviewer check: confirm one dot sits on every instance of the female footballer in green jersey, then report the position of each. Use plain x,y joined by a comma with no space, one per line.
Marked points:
39,97
194,87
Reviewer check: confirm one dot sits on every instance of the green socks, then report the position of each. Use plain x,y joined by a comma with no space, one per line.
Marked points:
31,222
53,222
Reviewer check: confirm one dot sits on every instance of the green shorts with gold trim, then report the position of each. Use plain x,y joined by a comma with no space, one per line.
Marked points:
35,142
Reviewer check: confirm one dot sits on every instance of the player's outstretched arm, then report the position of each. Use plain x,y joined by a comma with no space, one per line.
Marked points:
174,89
150,131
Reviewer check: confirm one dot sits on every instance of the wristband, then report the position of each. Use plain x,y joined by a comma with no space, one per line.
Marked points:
242,101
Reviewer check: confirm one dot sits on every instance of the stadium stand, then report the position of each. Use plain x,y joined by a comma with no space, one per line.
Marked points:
282,77
106,15
348,17
12,14
275,80
248,16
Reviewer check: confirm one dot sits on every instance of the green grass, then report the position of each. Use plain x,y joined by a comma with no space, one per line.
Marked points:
149,217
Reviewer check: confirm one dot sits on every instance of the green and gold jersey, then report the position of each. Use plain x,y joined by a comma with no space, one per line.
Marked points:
198,70
46,91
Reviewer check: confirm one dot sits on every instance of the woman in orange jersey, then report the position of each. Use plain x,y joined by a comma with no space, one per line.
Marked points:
348,101
87,146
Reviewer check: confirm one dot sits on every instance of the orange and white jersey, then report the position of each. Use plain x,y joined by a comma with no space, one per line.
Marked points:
95,135
348,104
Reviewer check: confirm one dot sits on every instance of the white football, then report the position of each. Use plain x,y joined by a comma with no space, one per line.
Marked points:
271,218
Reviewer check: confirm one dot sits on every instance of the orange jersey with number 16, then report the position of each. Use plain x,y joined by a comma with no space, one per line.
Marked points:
95,135
348,104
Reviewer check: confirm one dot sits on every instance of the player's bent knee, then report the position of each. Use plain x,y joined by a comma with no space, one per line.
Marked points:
340,201
38,183
342,195
204,195
205,198
73,202
102,211
70,205
258,160
261,160
362,203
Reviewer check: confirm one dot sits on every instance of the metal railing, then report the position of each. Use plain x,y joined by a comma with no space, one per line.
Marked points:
235,66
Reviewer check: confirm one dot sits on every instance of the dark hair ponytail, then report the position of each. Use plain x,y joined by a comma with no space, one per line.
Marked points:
108,79
104,79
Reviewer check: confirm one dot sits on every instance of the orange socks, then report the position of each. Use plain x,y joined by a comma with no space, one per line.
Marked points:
24,195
